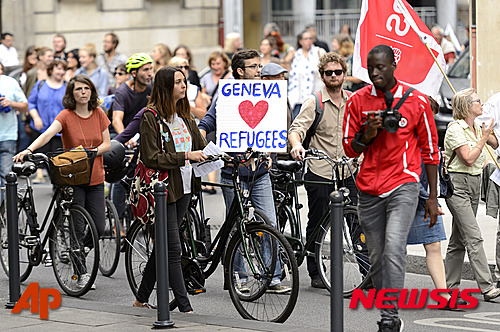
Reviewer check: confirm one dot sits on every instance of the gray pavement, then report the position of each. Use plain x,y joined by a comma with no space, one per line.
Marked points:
110,308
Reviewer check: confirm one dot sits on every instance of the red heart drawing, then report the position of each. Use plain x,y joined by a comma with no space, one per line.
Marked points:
252,115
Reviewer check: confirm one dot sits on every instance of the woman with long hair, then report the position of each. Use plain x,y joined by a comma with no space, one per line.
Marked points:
268,51
83,123
39,72
161,55
30,61
170,140
73,60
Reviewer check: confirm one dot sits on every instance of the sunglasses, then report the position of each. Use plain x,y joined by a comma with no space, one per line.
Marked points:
183,67
119,73
337,72
478,100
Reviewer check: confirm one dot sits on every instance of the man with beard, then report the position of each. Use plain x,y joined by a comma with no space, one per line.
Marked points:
110,58
328,138
59,43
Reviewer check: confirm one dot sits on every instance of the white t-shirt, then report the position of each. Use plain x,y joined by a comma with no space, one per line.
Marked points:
182,141
8,56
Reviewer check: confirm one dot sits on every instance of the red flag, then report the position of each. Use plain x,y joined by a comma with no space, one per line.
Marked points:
384,22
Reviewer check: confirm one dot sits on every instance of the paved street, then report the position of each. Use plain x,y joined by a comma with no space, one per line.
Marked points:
313,306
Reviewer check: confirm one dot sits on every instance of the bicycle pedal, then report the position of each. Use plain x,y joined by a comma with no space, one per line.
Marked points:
196,291
31,240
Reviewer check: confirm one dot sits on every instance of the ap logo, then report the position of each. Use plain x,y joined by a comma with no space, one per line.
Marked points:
39,300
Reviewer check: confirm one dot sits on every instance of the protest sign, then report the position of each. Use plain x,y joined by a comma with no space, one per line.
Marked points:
252,113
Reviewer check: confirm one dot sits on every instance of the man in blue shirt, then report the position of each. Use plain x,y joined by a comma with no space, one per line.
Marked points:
12,100
246,65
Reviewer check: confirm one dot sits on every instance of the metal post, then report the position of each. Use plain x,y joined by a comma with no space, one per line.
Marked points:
13,240
336,265
161,256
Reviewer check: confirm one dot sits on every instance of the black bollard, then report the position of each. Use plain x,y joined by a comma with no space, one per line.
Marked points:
336,263
13,240
160,195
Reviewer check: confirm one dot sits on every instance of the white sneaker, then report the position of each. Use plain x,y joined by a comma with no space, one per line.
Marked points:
84,280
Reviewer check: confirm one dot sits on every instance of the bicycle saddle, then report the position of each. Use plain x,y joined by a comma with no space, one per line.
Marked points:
289,165
26,169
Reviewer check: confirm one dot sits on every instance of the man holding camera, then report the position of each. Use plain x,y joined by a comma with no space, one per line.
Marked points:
393,141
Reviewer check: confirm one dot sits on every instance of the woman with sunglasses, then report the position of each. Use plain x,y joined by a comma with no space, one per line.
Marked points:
198,110
304,75
464,145
121,76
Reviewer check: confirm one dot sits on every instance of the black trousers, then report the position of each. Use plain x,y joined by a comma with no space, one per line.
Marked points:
91,198
318,201
175,213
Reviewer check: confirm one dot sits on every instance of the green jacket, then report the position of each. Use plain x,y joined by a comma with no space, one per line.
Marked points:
168,159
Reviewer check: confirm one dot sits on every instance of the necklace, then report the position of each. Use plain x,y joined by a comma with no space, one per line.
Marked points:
81,130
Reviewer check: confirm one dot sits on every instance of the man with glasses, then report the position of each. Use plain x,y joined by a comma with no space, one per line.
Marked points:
246,65
110,58
328,138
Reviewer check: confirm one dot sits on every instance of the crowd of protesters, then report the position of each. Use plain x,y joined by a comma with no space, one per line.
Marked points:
124,85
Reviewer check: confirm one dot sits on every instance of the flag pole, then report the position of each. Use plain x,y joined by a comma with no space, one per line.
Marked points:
409,19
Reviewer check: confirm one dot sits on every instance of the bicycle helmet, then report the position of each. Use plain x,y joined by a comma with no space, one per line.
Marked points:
114,162
138,60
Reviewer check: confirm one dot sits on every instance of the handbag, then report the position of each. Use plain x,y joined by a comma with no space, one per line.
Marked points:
446,187
142,187
71,168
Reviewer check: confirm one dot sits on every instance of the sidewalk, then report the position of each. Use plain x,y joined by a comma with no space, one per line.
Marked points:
83,315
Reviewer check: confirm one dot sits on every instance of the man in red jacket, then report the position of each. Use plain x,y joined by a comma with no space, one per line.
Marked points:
390,172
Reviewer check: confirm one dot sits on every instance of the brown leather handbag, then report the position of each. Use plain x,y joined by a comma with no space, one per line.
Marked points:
72,168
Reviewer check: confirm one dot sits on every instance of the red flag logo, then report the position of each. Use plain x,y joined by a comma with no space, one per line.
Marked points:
384,22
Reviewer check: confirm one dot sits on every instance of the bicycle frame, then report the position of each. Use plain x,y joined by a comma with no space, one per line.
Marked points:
296,238
28,203
236,214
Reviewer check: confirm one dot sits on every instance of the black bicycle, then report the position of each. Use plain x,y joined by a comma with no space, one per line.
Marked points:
70,244
356,260
256,257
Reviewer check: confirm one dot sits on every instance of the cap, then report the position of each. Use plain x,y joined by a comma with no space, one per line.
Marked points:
272,69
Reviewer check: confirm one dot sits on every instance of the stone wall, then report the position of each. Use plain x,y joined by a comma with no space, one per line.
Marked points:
140,24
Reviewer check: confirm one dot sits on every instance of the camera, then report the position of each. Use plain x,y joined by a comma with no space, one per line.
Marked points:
5,109
390,116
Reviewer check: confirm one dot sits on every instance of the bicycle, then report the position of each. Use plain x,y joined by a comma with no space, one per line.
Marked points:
111,240
252,252
356,259
73,244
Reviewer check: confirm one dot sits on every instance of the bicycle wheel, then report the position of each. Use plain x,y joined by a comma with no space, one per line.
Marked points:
75,264
109,241
262,274
25,250
139,246
356,260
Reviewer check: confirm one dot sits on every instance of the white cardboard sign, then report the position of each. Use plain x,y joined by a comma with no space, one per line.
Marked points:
252,113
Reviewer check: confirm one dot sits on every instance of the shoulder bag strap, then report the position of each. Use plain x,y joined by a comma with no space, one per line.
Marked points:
451,159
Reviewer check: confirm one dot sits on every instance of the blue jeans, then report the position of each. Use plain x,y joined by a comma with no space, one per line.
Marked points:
118,196
262,199
7,149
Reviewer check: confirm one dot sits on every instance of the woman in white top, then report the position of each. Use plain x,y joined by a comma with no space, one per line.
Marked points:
304,76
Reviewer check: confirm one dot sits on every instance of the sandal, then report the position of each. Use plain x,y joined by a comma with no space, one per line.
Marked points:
145,305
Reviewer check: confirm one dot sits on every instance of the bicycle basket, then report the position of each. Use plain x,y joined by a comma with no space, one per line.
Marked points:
71,167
